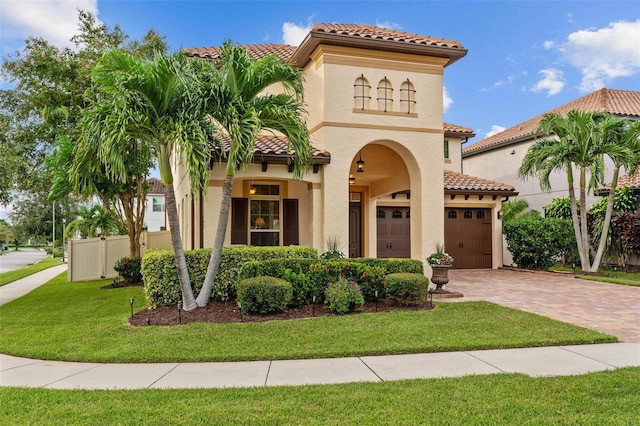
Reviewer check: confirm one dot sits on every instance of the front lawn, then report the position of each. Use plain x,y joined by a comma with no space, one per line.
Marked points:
605,275
603,398
11,276
82,322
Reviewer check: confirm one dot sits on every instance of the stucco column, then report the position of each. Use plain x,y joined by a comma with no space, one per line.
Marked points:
335,206
315,213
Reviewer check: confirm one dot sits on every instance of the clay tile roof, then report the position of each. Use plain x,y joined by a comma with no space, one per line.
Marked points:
270,145
624,103
460,183
631,181
155,186
455,130
256,51
380,33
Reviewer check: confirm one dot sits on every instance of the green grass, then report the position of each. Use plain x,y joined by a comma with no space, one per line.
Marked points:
11,276
81,322
607,398
606,276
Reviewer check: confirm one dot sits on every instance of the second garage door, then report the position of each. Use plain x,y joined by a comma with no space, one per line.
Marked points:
467,234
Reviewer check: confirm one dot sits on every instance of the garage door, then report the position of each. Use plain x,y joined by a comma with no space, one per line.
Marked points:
394,232
467,234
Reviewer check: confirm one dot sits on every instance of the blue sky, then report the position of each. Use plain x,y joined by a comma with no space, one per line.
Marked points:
525,57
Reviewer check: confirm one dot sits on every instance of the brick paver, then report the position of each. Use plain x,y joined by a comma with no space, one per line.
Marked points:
610,308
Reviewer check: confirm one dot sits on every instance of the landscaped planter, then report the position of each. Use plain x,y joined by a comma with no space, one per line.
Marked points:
440,277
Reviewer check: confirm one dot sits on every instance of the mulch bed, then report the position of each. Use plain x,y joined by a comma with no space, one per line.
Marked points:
120,284
228,312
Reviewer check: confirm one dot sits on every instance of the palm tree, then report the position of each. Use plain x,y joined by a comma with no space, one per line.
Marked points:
579,143
516,207
152,102
241,109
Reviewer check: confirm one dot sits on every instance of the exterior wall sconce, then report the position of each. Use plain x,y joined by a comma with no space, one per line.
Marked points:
352,180
500,214
252,190
360,164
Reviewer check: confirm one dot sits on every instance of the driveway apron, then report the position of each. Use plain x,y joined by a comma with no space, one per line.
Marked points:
609,308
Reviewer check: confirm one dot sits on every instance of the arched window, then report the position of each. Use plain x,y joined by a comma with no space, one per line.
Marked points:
468,214
380,214
480,214
407,97
396,214
385,95
453,214
361,95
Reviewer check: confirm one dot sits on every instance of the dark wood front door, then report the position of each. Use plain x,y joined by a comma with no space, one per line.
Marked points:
355,230
394,232
467,235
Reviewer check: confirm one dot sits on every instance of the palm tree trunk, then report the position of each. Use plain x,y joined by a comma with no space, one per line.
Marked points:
607,221
575,219
188,301
584,230
216,253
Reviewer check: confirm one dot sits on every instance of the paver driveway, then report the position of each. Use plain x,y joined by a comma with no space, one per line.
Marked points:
610,308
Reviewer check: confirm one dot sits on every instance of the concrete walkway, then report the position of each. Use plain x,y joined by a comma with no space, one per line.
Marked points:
544,361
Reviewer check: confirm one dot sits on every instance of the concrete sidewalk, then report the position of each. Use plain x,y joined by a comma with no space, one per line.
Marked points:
545,361
24,285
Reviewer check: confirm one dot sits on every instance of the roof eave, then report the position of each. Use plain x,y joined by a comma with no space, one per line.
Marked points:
507,142
502,193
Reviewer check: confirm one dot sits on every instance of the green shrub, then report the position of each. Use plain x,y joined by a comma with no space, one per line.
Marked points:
369,279
264,295
393,265
344,296
300,285
407,289
129,268
162,287
536,242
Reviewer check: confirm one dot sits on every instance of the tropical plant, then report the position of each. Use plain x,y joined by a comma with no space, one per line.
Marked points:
579,141
516,207
129,268
440,257
157,104
559,208
241,109
333,248
343,296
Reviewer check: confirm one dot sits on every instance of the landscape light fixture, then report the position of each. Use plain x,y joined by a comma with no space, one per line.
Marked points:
131,304
360,164
179,314
376,294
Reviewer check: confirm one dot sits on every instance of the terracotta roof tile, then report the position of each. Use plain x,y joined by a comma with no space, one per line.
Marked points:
272,145
619,102
155,186
631,181
458,182
380,33
453,129
255,51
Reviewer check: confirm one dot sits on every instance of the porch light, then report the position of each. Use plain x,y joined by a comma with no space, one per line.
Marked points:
352,180
500,214
252,190
360,164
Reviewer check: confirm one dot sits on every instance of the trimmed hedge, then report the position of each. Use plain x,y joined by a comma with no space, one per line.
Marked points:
263,295
160,275
407,289
393,265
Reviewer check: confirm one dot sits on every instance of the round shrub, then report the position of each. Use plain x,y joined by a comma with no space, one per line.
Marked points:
407,289
344,296
129,268
264,295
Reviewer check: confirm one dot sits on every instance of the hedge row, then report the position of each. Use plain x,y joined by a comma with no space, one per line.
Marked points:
161,285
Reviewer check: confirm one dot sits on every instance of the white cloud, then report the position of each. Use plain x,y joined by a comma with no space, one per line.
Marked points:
54,20
604,54
495,129
509,79
293,34
553,82
389,25
446,99
548,44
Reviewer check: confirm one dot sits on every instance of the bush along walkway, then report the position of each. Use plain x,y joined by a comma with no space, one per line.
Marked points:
543,361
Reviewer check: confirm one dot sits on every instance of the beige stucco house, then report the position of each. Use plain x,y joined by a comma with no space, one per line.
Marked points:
499,156
386,178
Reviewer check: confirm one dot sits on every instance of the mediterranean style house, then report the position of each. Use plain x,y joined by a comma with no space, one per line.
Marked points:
155,216
499,156
386,179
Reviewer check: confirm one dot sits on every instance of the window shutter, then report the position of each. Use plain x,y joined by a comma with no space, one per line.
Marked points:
290,218
239,220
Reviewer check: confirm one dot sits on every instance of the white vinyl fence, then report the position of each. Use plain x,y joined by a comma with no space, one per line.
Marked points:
94,258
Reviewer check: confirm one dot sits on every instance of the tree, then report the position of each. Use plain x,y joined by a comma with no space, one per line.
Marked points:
579,141
516,207
238,104
91,222
157,104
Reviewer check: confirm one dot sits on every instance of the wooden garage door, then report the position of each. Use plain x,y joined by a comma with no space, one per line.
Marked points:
394,232
467,235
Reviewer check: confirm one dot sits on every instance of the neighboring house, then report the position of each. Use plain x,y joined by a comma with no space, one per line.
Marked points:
386,178
499,156
155,216
630,181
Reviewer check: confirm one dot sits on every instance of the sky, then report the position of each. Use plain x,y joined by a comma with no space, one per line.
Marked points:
524,57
